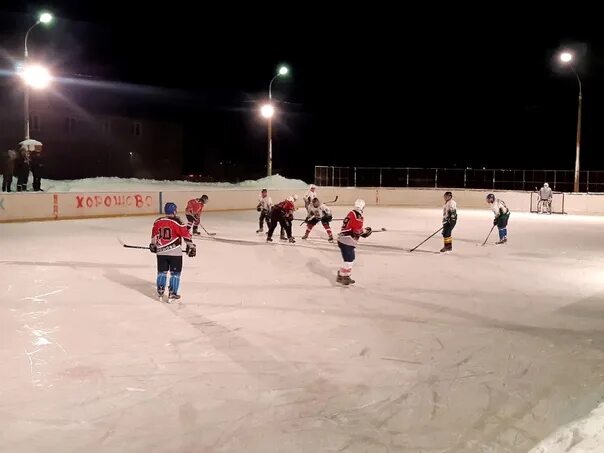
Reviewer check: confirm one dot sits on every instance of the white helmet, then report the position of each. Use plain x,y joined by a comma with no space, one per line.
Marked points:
546,185
312,186
359,205
290,199
295,197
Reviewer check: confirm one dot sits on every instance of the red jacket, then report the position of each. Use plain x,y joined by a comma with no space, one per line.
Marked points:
168,233
194,207
286,206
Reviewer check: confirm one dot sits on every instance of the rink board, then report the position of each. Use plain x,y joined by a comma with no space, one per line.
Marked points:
46,206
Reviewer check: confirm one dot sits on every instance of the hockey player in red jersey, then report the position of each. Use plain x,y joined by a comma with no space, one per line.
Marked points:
166,241
283,214
352,229
193,212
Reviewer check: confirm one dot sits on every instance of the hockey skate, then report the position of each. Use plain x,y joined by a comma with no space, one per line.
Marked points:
446,249
282,238
173,297
269,239
330,239
291,240
344,280
259,231
196,232
305,236
503,241
160,292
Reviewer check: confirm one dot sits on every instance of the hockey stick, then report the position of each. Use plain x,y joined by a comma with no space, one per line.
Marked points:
142,247
333,201
209,234
433,234
381,230
488,236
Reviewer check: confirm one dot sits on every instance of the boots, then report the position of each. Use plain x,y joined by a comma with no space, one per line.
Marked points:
305,236
196,231
330,238
344,280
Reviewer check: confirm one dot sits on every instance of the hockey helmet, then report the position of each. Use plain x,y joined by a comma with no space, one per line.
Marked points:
170,208
295,197
491,198
316,203
290,199
359,205
546,185
448,195
203,199
313,187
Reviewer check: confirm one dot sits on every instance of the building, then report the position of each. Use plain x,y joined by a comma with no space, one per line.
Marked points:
89,131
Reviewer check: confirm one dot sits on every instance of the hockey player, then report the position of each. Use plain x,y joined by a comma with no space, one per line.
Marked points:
166,241
310,196
545,199
283,214
318,212
502,214
449,221
265,204
352,229
193,213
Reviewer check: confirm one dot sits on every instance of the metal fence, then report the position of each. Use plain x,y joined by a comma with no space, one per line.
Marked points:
457,178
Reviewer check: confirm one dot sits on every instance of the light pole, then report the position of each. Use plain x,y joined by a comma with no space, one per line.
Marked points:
268,112
45,18
567,58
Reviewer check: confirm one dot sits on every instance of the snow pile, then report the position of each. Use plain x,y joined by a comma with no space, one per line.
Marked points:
581,436
150,185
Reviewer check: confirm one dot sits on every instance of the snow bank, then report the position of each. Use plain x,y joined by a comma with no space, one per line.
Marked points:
142,185
582,436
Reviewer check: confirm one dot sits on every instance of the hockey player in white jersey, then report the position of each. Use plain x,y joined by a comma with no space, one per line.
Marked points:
545,199
502,214
310,196
265,204
318,212
449,221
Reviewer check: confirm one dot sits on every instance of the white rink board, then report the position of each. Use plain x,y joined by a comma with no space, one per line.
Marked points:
42,206
26,206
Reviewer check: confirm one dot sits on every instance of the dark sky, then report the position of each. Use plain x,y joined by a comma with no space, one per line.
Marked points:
370,85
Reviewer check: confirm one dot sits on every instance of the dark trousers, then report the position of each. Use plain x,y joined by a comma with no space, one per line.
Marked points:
36,171
348,254
7,180
167,263
264,217
22,176
448,229
278,218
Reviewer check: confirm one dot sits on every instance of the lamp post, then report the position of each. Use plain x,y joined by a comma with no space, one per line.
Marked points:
34,76
268,111
567,59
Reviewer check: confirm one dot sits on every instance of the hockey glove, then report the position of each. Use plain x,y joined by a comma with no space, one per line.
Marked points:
495,221
366,233
258,208
327,219
191,250
153,248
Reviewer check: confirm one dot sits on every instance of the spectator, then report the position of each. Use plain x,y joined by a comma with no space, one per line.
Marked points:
8,169
36,169
22,169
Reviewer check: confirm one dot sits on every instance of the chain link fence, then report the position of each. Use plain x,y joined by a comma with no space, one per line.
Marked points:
457,178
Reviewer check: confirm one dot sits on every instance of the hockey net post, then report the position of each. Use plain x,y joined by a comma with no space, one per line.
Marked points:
557,203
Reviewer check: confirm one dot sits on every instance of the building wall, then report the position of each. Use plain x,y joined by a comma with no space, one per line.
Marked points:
78,143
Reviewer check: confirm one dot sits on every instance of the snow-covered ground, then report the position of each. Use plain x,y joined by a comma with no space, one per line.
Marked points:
489,349
133,184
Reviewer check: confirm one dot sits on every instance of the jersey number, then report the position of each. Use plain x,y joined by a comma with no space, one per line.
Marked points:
166,233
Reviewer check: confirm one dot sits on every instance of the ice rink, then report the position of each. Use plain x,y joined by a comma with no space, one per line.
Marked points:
488,349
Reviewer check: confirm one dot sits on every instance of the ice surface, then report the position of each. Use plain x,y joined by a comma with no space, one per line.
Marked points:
489,349
582,436
132,184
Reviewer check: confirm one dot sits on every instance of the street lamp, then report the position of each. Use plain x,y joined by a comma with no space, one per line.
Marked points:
268,111
567,59
37,75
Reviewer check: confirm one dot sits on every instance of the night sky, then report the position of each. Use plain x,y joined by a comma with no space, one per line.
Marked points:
370,85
